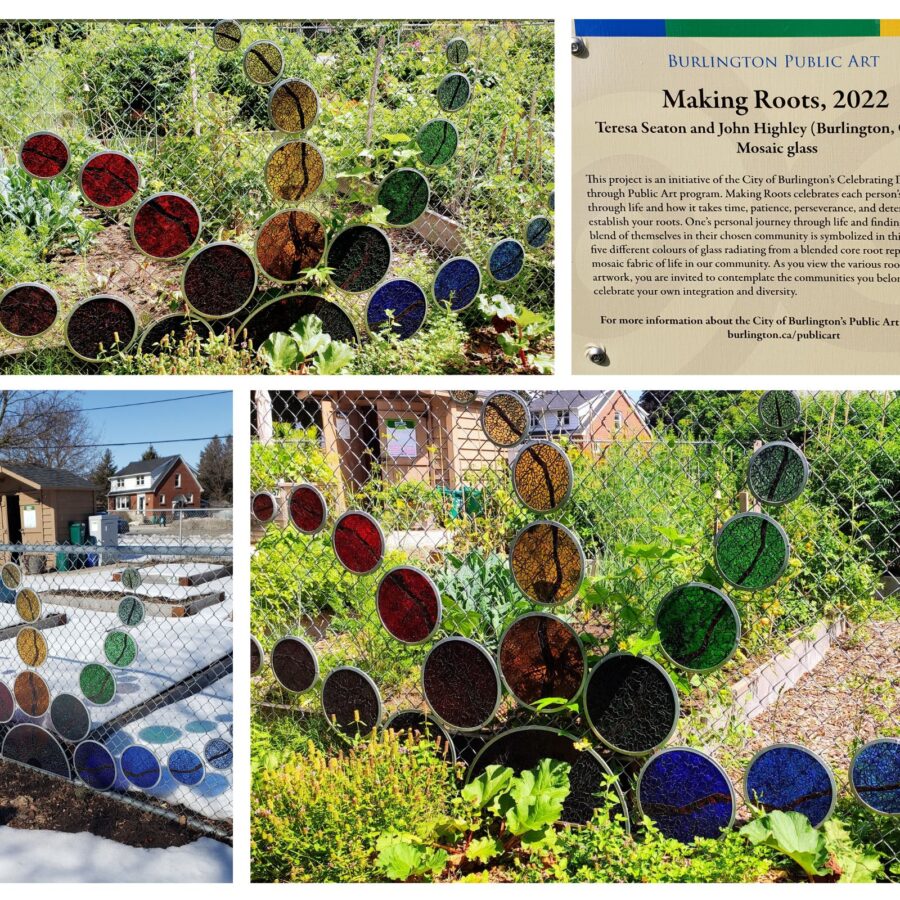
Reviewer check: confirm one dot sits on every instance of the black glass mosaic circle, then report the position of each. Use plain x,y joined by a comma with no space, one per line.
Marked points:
100,325
537,232
457,283
351,701
227,35
461,683
404,193
7,703
28,309
791,778
400,302
542,476
256,655
437,140
453,92
293,105
94,765
294,664
360,256
70,718
779,410
283,313
752,551
547,562
421,725
165,334
219,280
408,604
630,703
505,418
263,62
777,473
36,747
358,542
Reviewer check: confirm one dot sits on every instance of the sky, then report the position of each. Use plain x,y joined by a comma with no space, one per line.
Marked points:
154,423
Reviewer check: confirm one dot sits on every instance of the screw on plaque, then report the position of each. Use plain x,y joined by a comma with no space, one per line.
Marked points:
597,354
579,48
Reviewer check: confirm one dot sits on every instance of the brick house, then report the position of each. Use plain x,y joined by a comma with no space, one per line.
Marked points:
154,484
592,419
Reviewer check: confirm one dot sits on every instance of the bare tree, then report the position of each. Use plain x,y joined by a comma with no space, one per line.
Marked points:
46,428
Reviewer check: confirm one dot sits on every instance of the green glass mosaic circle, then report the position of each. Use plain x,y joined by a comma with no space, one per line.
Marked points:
777,473
752,551
405,194
131,579
453,92
437,140
97,684
120,648
131,611
457,51
699,627
779,409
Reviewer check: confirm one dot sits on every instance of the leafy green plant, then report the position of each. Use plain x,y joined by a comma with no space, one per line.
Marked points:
306,348
518,330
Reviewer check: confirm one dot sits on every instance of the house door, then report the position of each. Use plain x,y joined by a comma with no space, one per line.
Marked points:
13,522
141,503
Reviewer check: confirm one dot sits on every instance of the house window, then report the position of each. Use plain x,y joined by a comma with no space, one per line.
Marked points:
190,498
617,420
140,481
162,499
120,482
178,480
121,502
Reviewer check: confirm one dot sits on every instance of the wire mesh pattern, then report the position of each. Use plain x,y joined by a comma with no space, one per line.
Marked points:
120,664
131,148
811,660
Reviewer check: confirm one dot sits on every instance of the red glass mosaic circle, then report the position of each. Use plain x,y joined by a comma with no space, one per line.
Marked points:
110,179
44,155
27,310
358,542
307,509
263,506
165,226
409,604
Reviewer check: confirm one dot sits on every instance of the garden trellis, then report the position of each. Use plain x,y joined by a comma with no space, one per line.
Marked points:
117,665
694,590
327,169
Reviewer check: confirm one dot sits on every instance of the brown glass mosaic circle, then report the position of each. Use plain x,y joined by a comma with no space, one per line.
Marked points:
167,333
28,309
32,694
351,701
547,562
31,646
358,542
295,170
44,155
505,418
465,397
165,226
294,664
307,509
284,312
263,507
263,62
542,476
408,604
28,605
227,35
289,242
219,280
461,684
540,657
100,325
256,655
293,105
109,179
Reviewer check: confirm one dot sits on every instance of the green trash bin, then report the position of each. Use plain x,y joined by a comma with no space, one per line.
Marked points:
62,561
77,533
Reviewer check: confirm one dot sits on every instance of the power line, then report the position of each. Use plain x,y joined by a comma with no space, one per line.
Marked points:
221,437
150,402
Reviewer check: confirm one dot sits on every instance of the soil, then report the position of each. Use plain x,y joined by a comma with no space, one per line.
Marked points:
33,800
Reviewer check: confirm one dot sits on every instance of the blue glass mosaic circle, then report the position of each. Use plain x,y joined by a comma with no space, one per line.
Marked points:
687,794
537,232
186,767
875,776
219,753
506,259
94,765
457,283
406,303
791,779
141,767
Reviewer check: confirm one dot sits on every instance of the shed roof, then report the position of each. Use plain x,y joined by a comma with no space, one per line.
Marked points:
46,477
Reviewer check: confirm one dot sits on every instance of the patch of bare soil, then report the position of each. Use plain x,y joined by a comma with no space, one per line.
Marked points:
483,351
30,799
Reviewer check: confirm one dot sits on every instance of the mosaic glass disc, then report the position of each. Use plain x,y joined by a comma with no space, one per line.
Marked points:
256,655
294,664
7,704
170,331
44,155
109,179
263,62
130,611
31,646
457,51
464,397
405,194
360,256
227,35
791,779
699,627
457,283
542,476
404,301
11,576
453,92
506,259
166,226
537,232
422,725
70,718
293,105
523,748
752,551
219,754
131,579
28,309
36,747
186,767
540,657
95,765
777,473
779,410
99,325
120,649
351,701
97,683
875,776
461,683
219,280
505,418
547,562
32,694
263,506
295,171
282,314
408,604
28,605
358,542
141,767
289,242
307,509
687,794
437,140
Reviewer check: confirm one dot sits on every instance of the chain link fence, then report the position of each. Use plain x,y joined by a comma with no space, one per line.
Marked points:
655,477
116,667
199,121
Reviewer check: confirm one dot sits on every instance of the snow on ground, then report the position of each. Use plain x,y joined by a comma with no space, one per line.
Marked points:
42,856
